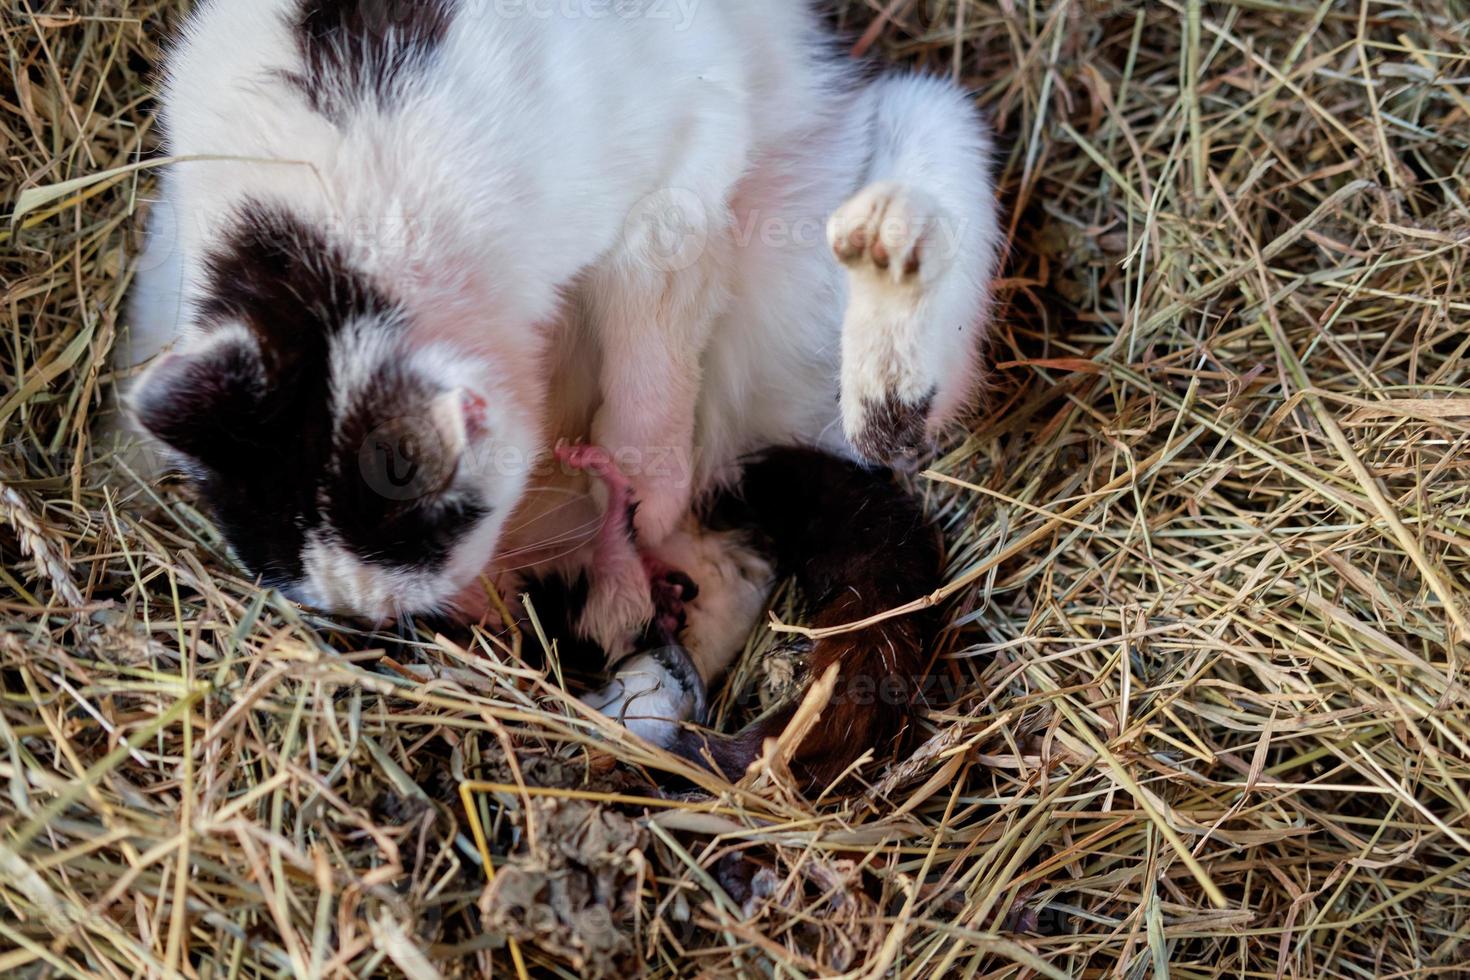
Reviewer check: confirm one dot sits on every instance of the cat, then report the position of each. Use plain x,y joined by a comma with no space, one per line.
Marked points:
409,248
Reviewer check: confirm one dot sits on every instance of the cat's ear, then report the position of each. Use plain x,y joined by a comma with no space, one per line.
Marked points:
203,401
459,417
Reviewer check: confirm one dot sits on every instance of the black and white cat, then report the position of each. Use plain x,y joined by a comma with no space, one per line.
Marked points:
414,246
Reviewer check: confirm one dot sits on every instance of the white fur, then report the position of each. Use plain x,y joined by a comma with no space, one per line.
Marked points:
647,698
733,582
613,227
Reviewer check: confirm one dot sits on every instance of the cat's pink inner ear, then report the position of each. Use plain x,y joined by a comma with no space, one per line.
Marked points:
460,416
476,413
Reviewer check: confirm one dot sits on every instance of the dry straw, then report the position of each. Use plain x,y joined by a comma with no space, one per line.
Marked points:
1201,705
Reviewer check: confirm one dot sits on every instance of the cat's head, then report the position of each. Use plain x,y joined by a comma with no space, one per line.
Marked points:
359,470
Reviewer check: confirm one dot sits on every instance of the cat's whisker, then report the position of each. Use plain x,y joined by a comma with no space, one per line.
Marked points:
583,533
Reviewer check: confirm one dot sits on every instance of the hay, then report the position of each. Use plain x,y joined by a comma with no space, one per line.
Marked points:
1199,706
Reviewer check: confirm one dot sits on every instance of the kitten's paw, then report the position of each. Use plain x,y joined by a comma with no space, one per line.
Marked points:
672,590
891,232
732,580
651,693
619,607
896,243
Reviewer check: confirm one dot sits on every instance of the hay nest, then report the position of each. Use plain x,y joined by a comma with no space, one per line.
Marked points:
1199,702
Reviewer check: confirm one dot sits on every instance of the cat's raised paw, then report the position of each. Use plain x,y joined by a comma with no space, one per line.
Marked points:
891,231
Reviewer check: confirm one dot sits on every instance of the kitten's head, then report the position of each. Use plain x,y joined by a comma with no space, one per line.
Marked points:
358,472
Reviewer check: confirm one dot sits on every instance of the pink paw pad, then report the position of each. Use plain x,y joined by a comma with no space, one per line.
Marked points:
671,590
598,462
583,456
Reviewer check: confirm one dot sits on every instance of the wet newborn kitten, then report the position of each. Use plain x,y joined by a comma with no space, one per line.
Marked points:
413,246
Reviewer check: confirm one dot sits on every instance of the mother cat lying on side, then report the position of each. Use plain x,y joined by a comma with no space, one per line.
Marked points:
448,235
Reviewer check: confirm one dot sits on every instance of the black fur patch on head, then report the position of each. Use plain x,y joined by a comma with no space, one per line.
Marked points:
291,287
192,403
363,51
255,414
